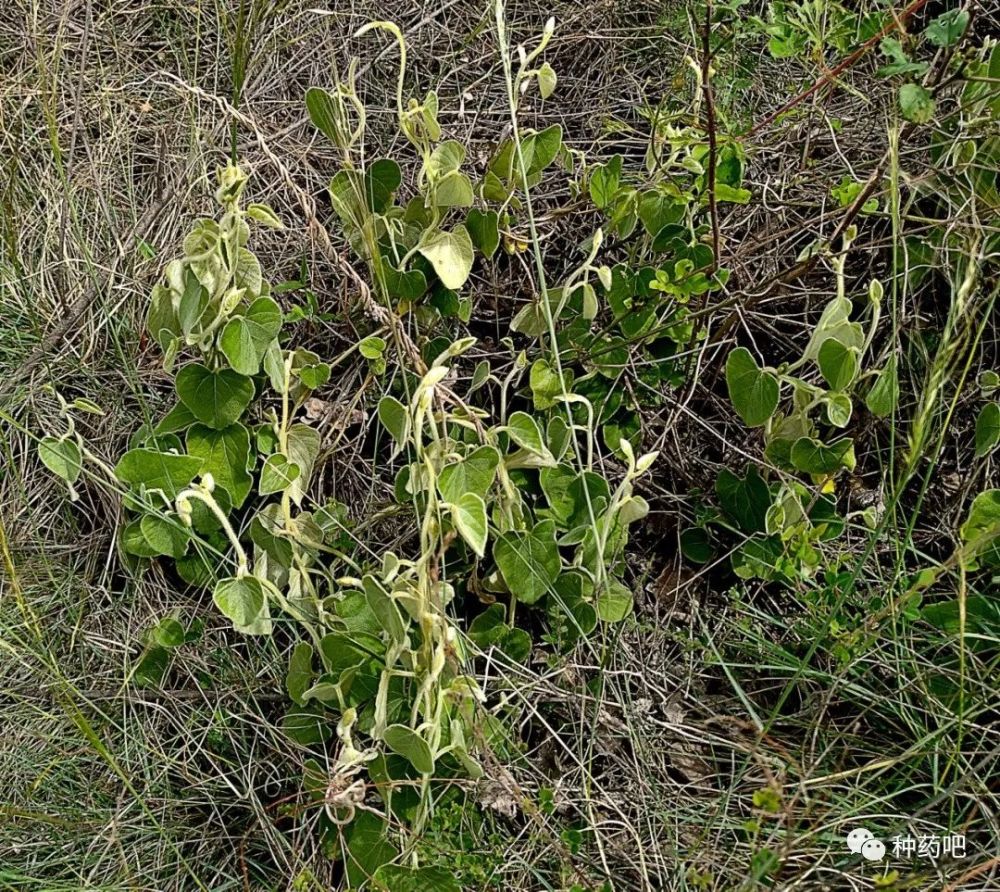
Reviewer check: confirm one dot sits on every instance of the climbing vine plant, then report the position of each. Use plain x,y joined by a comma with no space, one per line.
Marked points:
508,507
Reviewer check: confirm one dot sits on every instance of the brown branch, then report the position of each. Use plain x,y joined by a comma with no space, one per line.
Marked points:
840,68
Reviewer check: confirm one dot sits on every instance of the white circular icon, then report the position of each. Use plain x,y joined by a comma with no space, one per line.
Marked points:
873,849
857,838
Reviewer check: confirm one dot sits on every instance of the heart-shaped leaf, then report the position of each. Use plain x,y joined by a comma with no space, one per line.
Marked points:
614,602
524,431
451,255
215,398
454,191
916,103
410,745
245,339
484,230
753,392
322,110
987,429
469,516
394,417
277,474
884,395
240,599
300,672
164,535
224,454
812,456
382,179
157,470
303,448
837,363
61,457
474,474
529,562
546,80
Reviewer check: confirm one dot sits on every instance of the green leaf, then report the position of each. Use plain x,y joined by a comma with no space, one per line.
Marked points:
916,103
152,667
411,746
604,182
658,210
484,230
382,179
450,253
473,474
987,429
303,448
524,431
614,602
300,672
745,499
368,848
884,395
546,80
834,322
982,617
224,454
385,609
546,386
948,28
247,275
214,398
571,608
395,419
62,457
164,535
245,339
838,409
241,600
490,629
265,215
469,516
753,392
193,302
307,725
540,149
446,158
404,286
529,562
177,419
981,529
168,632
696,545
454,190
161,320
277,474
397,878
323,113
724,192
837,363
157,470
812,456
372,347
557,484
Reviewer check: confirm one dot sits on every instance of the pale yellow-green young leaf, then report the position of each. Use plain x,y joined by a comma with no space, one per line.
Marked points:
451,255
546,80
469,516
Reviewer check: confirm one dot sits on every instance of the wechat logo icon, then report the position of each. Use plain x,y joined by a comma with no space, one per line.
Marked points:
863,842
